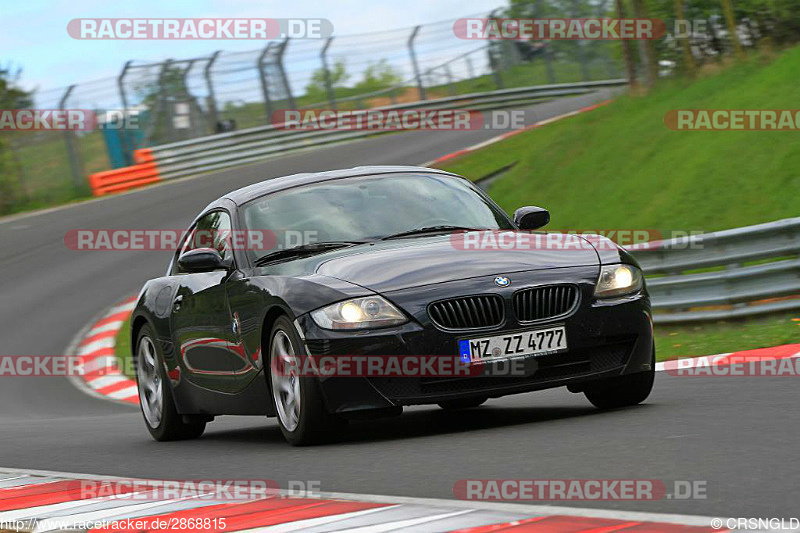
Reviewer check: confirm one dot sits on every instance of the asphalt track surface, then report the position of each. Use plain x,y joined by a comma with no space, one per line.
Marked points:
739,435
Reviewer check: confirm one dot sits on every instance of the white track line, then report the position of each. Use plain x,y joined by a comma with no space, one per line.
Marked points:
409,523
121,394
111,326
105,381
89,349
121,308
300,525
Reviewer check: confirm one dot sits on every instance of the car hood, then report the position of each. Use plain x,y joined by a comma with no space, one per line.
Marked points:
402,263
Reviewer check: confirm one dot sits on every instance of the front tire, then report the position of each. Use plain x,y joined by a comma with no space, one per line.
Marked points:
623,391
297,399
155,394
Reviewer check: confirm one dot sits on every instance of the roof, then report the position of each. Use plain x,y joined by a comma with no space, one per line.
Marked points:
245,194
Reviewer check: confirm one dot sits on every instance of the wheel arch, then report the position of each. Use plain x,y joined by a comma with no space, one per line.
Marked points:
137,323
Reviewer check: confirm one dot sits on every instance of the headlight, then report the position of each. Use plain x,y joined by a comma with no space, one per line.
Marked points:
618,280
359,313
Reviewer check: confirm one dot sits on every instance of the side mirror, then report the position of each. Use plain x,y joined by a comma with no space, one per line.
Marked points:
531,217
202,260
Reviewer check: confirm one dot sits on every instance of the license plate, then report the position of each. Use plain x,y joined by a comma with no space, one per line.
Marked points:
518,344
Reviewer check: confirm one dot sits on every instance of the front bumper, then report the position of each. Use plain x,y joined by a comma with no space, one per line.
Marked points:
605,338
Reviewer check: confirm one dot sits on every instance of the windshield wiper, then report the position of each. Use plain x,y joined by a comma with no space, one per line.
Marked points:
428,229
303,250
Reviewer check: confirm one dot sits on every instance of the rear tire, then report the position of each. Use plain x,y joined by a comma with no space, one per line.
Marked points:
463,403
623,391
155,394
299,406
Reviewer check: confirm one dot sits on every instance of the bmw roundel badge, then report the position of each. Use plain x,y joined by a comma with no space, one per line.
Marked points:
502,281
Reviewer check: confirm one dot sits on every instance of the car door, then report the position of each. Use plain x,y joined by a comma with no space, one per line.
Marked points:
200,313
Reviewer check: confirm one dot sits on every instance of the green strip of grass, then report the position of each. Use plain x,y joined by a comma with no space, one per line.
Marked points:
620,167
727,336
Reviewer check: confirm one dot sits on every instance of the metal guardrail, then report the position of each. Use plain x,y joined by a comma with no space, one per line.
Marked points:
223,150
771,284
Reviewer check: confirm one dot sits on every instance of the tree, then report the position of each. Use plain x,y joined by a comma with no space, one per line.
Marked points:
627,52
688,58
316,89
379,75
649,51
727,8
11,97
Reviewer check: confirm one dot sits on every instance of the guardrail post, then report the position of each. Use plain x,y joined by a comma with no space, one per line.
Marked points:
414,62
328,85
212,101
127,151
284,79
263,78
75,163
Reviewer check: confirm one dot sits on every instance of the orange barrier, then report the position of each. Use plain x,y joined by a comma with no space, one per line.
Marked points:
143,155
122,179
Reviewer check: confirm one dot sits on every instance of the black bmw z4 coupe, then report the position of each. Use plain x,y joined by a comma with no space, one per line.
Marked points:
371,264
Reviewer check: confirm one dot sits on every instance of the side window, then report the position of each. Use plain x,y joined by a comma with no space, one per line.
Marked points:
211,231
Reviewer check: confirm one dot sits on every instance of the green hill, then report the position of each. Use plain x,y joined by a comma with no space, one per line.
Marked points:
620,166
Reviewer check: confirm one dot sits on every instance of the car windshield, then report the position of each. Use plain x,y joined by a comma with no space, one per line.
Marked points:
370,207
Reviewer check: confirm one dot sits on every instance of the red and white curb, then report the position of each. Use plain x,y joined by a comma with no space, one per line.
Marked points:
101,376
484,144
39,501
785,351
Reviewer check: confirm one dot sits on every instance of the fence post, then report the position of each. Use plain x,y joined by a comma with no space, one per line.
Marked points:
163,95
286,87
328,84
263,78
414,62
449,75
127,151
212,101
75,163
494,64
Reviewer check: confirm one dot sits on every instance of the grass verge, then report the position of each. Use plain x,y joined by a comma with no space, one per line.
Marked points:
619,166
727,336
